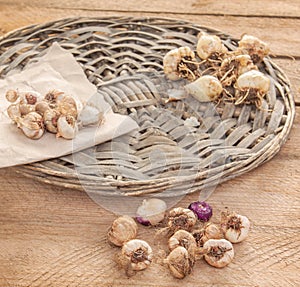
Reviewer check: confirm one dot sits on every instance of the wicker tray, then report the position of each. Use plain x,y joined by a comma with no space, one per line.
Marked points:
166,157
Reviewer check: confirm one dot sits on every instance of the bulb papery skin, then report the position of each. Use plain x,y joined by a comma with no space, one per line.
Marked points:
30,98
181,218
90,115
67,127
41,107
255,47
51,117
219,252
32,134
151,211
209,45
185,239
67,106
13,111
209,231
123,229
26,108
178,262
253,79
235,227
175,66
136,255
202,209
12,95
204,89
181,238
31,125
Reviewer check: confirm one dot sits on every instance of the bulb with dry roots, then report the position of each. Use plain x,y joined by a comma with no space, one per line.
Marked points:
180,63
235,226
210,46
123,229
218,252
208,231
136,255
251,87
233,66
181,218
53,96
256,48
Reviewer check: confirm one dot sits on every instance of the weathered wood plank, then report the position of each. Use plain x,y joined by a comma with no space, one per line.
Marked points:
252,8
281,35
57,237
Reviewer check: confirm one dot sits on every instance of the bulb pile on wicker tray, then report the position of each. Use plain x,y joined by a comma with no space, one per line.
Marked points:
215,73
56,112
190,237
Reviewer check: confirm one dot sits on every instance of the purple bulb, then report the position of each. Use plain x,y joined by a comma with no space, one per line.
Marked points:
143,221
202,209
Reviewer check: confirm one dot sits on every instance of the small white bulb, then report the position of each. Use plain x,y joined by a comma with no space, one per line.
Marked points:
151,211
253,79
67,127
208,45
206,88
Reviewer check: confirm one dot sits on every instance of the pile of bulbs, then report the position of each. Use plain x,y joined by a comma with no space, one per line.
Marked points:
56,112
215,73
190,237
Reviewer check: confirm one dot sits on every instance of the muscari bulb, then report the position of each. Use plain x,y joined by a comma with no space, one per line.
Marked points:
202,209
151,211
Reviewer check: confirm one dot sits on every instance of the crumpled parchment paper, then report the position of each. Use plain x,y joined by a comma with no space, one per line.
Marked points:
57,69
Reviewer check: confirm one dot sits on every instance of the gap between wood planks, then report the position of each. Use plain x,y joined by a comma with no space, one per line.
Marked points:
156,12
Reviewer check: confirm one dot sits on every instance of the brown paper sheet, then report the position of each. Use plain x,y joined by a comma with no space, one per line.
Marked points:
57,69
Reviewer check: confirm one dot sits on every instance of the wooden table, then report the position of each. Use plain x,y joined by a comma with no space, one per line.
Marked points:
50,236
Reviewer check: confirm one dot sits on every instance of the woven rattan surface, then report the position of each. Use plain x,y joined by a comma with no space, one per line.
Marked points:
167,155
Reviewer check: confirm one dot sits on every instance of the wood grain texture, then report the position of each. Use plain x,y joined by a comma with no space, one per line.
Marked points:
252,8
269,30
55,237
